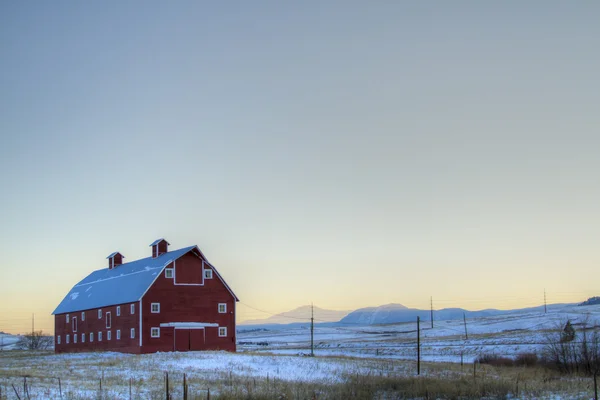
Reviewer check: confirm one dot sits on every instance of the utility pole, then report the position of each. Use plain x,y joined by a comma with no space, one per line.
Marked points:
312,330
418,346
545,308
465,321
431,299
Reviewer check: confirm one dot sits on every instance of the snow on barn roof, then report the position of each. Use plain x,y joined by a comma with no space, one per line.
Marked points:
125,283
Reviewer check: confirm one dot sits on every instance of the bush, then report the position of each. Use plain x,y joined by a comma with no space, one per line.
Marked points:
35,341
526,360
581,355
494,360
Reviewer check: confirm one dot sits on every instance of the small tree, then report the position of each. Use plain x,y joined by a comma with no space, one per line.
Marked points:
568,355
568,333
34,341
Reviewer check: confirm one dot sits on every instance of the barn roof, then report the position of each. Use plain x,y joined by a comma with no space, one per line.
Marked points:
123,284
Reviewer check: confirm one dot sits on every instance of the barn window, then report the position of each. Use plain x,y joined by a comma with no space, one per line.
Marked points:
67,318
155,308
100,314
208,273
74,324
118,334
68,338
108,320
222,331
168,272
132,309
132,333
91,336
83,315
83,338
99,336
155,332
108,335
75,338
222,308
58,339
118,311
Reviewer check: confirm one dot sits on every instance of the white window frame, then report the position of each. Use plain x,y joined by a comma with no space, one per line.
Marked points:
224,305
74,324
118,334
99,313
132,309
68,318
57,339
157,308
223,329
74,338
108,335
155,332
118,311
91,337
82,316
208,273
132,333
108,319
68,338
169,273
99,336
83,338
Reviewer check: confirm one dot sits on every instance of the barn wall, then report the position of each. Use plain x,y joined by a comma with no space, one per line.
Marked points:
92,323
187,303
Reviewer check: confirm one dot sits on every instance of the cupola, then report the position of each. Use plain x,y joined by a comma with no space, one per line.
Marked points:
115,259
159,247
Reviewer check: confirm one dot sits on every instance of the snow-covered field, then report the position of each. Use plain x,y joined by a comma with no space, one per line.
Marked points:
507,335
270,359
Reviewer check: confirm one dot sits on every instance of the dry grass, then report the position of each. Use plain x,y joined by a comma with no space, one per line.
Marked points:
371,379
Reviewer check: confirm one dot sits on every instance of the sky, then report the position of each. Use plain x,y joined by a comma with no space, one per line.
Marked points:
341,153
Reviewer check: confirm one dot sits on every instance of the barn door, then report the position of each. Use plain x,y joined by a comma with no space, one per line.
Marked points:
182,339
196,339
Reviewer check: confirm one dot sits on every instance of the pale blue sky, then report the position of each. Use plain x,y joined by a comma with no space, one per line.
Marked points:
345,153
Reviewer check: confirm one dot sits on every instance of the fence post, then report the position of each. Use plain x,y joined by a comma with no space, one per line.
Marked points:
167,385
595,385
130,379
418,346
59,388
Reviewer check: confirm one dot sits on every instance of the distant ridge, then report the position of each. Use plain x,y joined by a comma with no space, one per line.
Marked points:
395,313
384,314
591,301
300,314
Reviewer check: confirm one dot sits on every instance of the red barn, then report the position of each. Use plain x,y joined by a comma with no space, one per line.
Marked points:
171,301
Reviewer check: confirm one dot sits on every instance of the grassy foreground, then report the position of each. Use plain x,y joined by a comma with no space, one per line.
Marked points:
35,375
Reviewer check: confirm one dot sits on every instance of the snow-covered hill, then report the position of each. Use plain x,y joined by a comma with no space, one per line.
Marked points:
507,334
7,341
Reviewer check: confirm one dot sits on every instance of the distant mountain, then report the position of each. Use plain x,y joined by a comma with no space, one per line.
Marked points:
394,313
591,301
300,314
